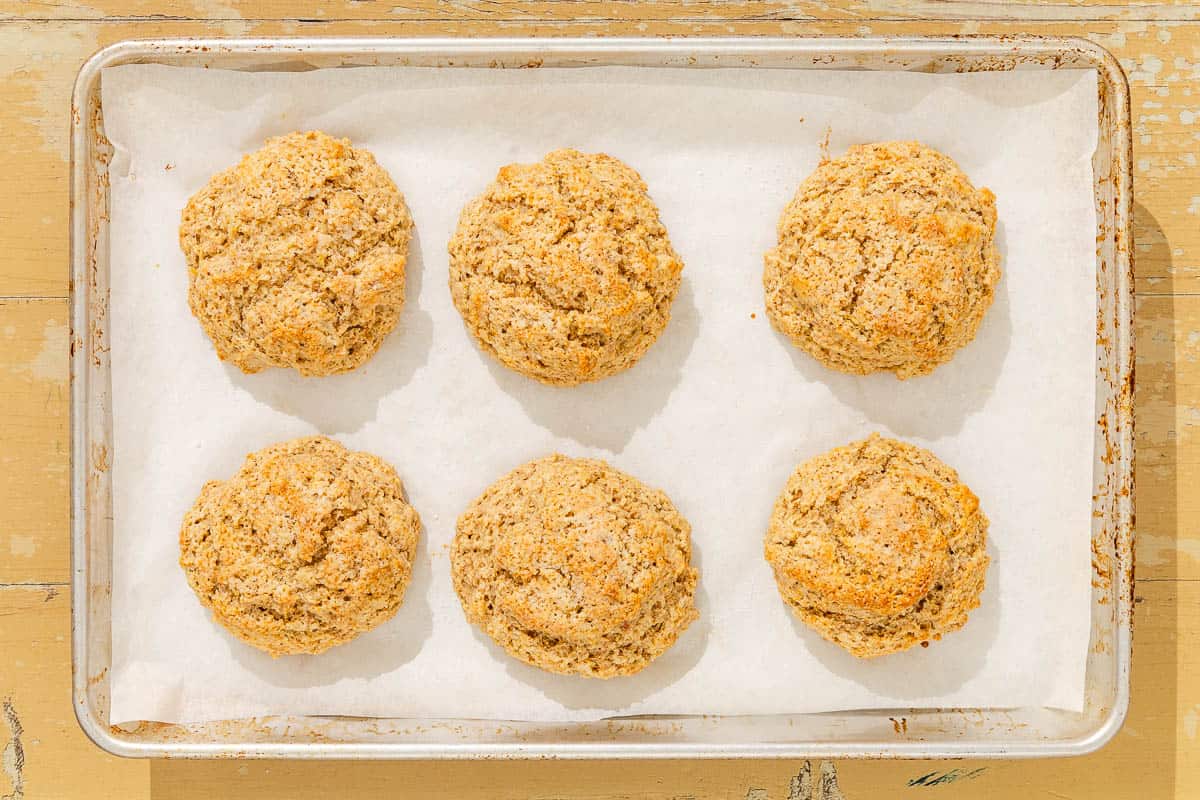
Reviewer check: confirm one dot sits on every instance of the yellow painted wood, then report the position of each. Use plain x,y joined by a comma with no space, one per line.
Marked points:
42,44
34,447
43,753
605,10
1167,422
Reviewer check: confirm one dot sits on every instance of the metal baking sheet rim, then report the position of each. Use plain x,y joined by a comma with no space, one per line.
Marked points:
900,733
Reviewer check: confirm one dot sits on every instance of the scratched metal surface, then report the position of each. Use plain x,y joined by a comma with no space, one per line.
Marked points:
42,751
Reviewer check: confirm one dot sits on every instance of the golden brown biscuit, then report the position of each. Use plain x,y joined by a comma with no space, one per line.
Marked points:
307,546
878,546
562,269
886,261
575,567
296,256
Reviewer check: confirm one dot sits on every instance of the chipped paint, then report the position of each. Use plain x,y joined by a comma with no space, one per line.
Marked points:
1155,550
22,546
1191,720
1145,69
49,362
231,20
803,786
44,97
12,758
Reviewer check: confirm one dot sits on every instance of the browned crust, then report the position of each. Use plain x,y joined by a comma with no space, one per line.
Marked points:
562,270
878,546
307,546
296,256
886,261
575,567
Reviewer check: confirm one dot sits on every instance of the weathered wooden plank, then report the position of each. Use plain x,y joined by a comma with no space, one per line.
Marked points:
606,10
43,753
37,74
1167,410
1155,756
1163,64
34,449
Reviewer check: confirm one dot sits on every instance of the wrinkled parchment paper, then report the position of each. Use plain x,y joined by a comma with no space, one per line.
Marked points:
717,414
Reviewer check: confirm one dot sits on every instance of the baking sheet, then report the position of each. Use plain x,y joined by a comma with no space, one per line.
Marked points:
717,414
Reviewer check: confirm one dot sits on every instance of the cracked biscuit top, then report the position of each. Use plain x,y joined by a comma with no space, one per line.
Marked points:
576,567
296,256
562,269
886,261
878,546
307,546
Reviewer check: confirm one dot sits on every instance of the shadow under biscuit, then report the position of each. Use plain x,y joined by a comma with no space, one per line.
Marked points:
344,403
617,694
376,652
930,406
606,413
919,672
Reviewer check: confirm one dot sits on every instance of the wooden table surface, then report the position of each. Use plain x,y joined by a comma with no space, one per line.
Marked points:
44,755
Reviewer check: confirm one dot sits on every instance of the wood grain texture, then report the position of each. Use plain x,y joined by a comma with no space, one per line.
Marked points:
488,11
43,753
34,448
1167,425
42,44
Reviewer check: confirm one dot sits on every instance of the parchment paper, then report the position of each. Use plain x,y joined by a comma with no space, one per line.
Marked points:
717,414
